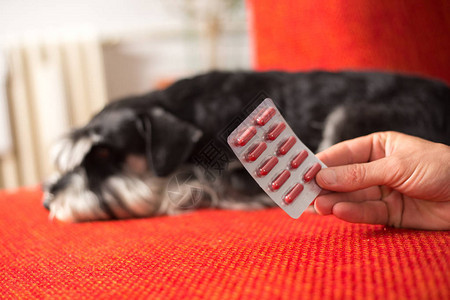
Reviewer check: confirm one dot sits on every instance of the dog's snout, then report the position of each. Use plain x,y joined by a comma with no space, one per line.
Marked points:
50,188
46,203
47,199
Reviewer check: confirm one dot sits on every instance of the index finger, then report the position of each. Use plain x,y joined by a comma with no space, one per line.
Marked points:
359,150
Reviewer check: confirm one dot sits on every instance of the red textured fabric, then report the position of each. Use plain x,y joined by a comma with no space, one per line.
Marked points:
215,255
407,36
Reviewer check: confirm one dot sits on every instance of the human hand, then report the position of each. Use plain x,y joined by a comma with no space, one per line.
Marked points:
387,178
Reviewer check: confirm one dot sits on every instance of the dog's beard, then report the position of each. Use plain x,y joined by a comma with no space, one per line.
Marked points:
79,196
128,195
127,188
118,196
75,200
132,193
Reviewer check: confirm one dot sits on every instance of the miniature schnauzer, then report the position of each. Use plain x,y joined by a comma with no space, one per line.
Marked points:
121,163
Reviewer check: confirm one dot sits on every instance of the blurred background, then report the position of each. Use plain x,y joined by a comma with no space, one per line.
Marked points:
61,61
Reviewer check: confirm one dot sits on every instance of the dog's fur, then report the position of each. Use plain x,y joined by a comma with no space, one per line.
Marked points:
119,164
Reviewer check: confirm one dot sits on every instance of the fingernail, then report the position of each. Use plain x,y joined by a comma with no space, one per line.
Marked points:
328,177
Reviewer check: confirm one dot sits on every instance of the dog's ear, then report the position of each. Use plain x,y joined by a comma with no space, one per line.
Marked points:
169,140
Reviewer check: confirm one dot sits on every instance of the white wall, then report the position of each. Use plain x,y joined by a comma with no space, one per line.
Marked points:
106,15
144,41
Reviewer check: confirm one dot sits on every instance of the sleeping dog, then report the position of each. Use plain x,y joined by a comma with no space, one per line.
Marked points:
125,161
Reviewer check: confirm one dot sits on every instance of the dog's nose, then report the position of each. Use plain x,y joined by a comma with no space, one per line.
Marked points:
46,204
47,199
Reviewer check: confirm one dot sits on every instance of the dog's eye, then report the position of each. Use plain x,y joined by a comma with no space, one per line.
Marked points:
102,153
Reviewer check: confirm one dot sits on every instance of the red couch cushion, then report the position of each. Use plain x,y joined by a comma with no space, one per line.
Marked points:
407,36
215,254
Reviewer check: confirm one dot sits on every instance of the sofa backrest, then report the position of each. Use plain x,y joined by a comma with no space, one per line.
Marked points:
403,36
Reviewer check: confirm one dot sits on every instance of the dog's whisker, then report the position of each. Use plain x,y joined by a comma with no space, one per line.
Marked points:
119,203
134,194
116,204
75,202
51,215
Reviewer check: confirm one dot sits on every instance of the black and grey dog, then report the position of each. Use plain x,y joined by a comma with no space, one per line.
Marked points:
120,163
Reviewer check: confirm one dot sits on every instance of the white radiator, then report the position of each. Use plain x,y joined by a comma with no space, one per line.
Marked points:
53,83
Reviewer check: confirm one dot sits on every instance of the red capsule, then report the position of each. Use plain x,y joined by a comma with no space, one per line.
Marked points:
287,145
267,166
264,116
293,193
280,180
299,159
256,151
275,131
245,136
312,172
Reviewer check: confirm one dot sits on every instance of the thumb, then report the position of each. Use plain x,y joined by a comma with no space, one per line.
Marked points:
353,177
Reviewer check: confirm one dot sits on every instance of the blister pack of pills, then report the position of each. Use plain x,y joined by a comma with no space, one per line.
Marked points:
276,158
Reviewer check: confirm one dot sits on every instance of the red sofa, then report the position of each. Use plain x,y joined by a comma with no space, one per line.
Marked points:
262,254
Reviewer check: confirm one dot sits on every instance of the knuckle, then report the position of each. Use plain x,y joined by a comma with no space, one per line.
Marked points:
356,174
